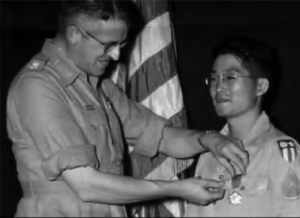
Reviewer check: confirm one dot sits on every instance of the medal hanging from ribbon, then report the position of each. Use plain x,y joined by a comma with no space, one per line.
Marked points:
235,197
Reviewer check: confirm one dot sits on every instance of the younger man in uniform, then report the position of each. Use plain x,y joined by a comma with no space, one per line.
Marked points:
240,77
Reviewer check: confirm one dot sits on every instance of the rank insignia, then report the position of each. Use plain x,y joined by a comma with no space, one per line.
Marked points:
287,149
291,186
34,65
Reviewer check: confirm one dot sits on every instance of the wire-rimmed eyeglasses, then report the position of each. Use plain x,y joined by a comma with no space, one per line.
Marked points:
107,47
227,78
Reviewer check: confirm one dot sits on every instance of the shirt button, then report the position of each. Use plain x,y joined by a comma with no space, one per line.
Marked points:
94,126
221,177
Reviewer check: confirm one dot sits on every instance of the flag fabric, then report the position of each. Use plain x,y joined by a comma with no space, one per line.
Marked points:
152,79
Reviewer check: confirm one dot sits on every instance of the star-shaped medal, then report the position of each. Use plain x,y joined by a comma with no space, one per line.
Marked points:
235,198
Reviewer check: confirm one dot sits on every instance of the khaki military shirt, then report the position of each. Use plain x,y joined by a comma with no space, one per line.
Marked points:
57,121
272,185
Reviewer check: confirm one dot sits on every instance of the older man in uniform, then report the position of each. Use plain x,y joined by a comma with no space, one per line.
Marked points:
240,77
67,133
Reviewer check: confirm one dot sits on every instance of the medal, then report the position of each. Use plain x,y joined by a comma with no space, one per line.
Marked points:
235,197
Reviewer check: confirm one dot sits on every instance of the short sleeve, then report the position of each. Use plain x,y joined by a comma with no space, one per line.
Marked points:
49,127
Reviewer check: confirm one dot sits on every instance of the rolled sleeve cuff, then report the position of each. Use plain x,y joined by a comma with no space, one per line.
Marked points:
148,144
70,158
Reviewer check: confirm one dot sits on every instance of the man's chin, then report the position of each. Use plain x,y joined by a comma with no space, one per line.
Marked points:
222,113
98,72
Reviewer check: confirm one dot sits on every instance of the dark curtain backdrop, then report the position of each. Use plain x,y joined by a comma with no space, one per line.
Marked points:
199,25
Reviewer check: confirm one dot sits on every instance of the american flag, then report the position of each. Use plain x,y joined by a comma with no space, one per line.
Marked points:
152,80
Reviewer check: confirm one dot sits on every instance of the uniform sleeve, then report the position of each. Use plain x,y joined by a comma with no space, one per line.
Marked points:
50,127
285,176
142,128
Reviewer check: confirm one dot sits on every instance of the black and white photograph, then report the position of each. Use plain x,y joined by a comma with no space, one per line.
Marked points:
150,108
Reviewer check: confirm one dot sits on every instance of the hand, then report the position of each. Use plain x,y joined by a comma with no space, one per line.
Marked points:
200,191
227,151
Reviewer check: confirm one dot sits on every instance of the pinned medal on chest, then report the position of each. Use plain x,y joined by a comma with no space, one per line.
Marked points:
235,197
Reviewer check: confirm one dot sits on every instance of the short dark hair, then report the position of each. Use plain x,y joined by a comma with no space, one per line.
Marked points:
95,9
258,57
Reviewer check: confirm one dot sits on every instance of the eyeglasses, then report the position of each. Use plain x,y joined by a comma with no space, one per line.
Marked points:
227,78
107,47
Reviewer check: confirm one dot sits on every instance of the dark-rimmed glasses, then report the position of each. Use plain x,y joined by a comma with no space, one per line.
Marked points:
107,47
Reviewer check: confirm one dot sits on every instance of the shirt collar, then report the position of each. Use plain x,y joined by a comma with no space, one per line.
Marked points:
261,126
66,70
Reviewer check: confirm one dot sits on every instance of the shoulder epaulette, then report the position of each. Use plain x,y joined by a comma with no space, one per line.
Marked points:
37,63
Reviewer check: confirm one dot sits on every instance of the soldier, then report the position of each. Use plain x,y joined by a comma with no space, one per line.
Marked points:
242,73
67,132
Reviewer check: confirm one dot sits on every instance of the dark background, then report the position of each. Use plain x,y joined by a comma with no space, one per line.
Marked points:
199,25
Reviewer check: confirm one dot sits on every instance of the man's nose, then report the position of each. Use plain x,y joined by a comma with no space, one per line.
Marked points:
115,53
220,82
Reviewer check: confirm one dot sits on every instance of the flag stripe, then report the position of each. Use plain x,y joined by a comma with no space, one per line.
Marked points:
153,81
167,100
152,9
154,37
145,167
178,120
152,74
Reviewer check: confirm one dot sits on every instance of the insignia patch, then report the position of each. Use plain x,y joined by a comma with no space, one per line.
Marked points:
287,149
34,65
291,186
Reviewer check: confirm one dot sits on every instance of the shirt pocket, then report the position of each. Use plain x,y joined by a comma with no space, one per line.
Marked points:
94,118
258,185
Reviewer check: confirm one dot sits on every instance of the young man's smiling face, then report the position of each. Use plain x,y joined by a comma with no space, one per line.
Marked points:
233,92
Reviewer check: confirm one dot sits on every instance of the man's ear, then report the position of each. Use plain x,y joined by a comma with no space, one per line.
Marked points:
72,35
262,86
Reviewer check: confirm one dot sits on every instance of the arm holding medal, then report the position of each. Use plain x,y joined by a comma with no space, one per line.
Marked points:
141,127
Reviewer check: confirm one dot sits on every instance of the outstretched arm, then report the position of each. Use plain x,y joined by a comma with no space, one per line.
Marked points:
95,186
150,134
183,143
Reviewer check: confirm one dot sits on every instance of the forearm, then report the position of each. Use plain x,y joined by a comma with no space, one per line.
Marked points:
95,186
181,143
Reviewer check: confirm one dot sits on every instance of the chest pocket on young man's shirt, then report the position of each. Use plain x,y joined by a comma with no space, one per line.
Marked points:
257,185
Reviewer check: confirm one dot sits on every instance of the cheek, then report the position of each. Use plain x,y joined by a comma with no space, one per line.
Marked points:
243,93
90,54
81,53
212,92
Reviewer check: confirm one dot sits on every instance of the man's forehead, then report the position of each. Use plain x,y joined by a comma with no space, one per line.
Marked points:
97,25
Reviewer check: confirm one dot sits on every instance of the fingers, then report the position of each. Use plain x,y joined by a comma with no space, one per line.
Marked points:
204,191
237,156
238,143
213,184
228,166
241,153
216,194
214,189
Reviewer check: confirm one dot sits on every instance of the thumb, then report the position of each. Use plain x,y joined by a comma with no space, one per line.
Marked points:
216,194
214,184
238,143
